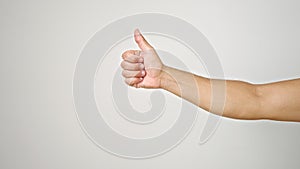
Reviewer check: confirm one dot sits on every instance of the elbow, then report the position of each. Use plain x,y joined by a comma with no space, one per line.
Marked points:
258,108
252,106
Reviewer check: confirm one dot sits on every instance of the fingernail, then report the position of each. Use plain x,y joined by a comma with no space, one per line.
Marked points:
141,60
143,73
137,32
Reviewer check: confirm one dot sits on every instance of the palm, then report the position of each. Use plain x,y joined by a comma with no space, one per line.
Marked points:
153,66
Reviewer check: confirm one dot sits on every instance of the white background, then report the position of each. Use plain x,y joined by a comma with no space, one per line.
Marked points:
40,41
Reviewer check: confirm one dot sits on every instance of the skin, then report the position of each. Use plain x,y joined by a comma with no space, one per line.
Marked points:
274,101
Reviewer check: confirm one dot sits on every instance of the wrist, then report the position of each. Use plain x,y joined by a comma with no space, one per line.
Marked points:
164,77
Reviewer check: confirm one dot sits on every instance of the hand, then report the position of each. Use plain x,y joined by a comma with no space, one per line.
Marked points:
142,68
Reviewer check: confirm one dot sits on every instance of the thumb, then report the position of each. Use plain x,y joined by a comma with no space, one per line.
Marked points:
141,41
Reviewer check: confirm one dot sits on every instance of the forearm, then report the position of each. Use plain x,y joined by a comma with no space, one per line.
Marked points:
240,102
185,85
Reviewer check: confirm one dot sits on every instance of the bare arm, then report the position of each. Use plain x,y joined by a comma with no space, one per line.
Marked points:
275,101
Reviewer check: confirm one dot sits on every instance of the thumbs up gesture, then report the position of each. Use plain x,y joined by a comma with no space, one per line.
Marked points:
142,68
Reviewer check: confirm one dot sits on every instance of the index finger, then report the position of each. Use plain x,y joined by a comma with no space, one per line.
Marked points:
130,52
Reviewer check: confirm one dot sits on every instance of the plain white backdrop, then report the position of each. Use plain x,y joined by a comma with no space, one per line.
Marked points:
256,41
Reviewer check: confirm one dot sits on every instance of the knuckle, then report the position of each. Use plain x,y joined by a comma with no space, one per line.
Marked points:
137,52
122,64
125,54
124,73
